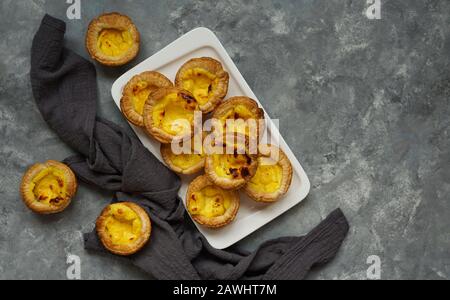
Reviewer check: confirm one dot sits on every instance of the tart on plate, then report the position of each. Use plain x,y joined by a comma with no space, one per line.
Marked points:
123,228
136,93
187,162
229,163
273,176
48,188
209,205
245,116
206,79
112,39
169,115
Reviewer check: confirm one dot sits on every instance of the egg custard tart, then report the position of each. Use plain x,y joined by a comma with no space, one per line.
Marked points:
136,93
169,114
186,164
273,176
245,115
48,188
206,79
233,166
123,228
112,39
209,205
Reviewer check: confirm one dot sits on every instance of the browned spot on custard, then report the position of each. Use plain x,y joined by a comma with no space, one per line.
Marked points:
188,98
245,172
234,172
60,182
56,200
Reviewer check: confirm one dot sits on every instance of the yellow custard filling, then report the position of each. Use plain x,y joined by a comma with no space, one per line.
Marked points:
210,202
231,166
49,187
141,91
174,114
268,177
114,42
200,83
123,225
186,161
238,112
242,114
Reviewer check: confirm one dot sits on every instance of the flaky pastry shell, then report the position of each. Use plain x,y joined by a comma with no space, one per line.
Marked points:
217,92
240,175
202,182
153,80
150,127
286,179
112,21
227,110
132,247
167,155
65,187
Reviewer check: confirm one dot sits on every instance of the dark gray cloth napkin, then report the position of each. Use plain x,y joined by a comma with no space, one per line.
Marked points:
65,89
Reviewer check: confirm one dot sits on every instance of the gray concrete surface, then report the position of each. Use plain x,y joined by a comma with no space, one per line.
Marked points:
364,104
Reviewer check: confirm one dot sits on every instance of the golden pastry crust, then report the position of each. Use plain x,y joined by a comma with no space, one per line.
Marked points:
128,248
184,97
112,39
244,108
216,80
230,212
286,176
193,163
49,187
140,86
231,171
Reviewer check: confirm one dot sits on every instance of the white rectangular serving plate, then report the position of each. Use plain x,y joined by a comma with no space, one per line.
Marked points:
202,42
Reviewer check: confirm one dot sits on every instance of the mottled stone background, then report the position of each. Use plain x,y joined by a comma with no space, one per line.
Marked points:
364,104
